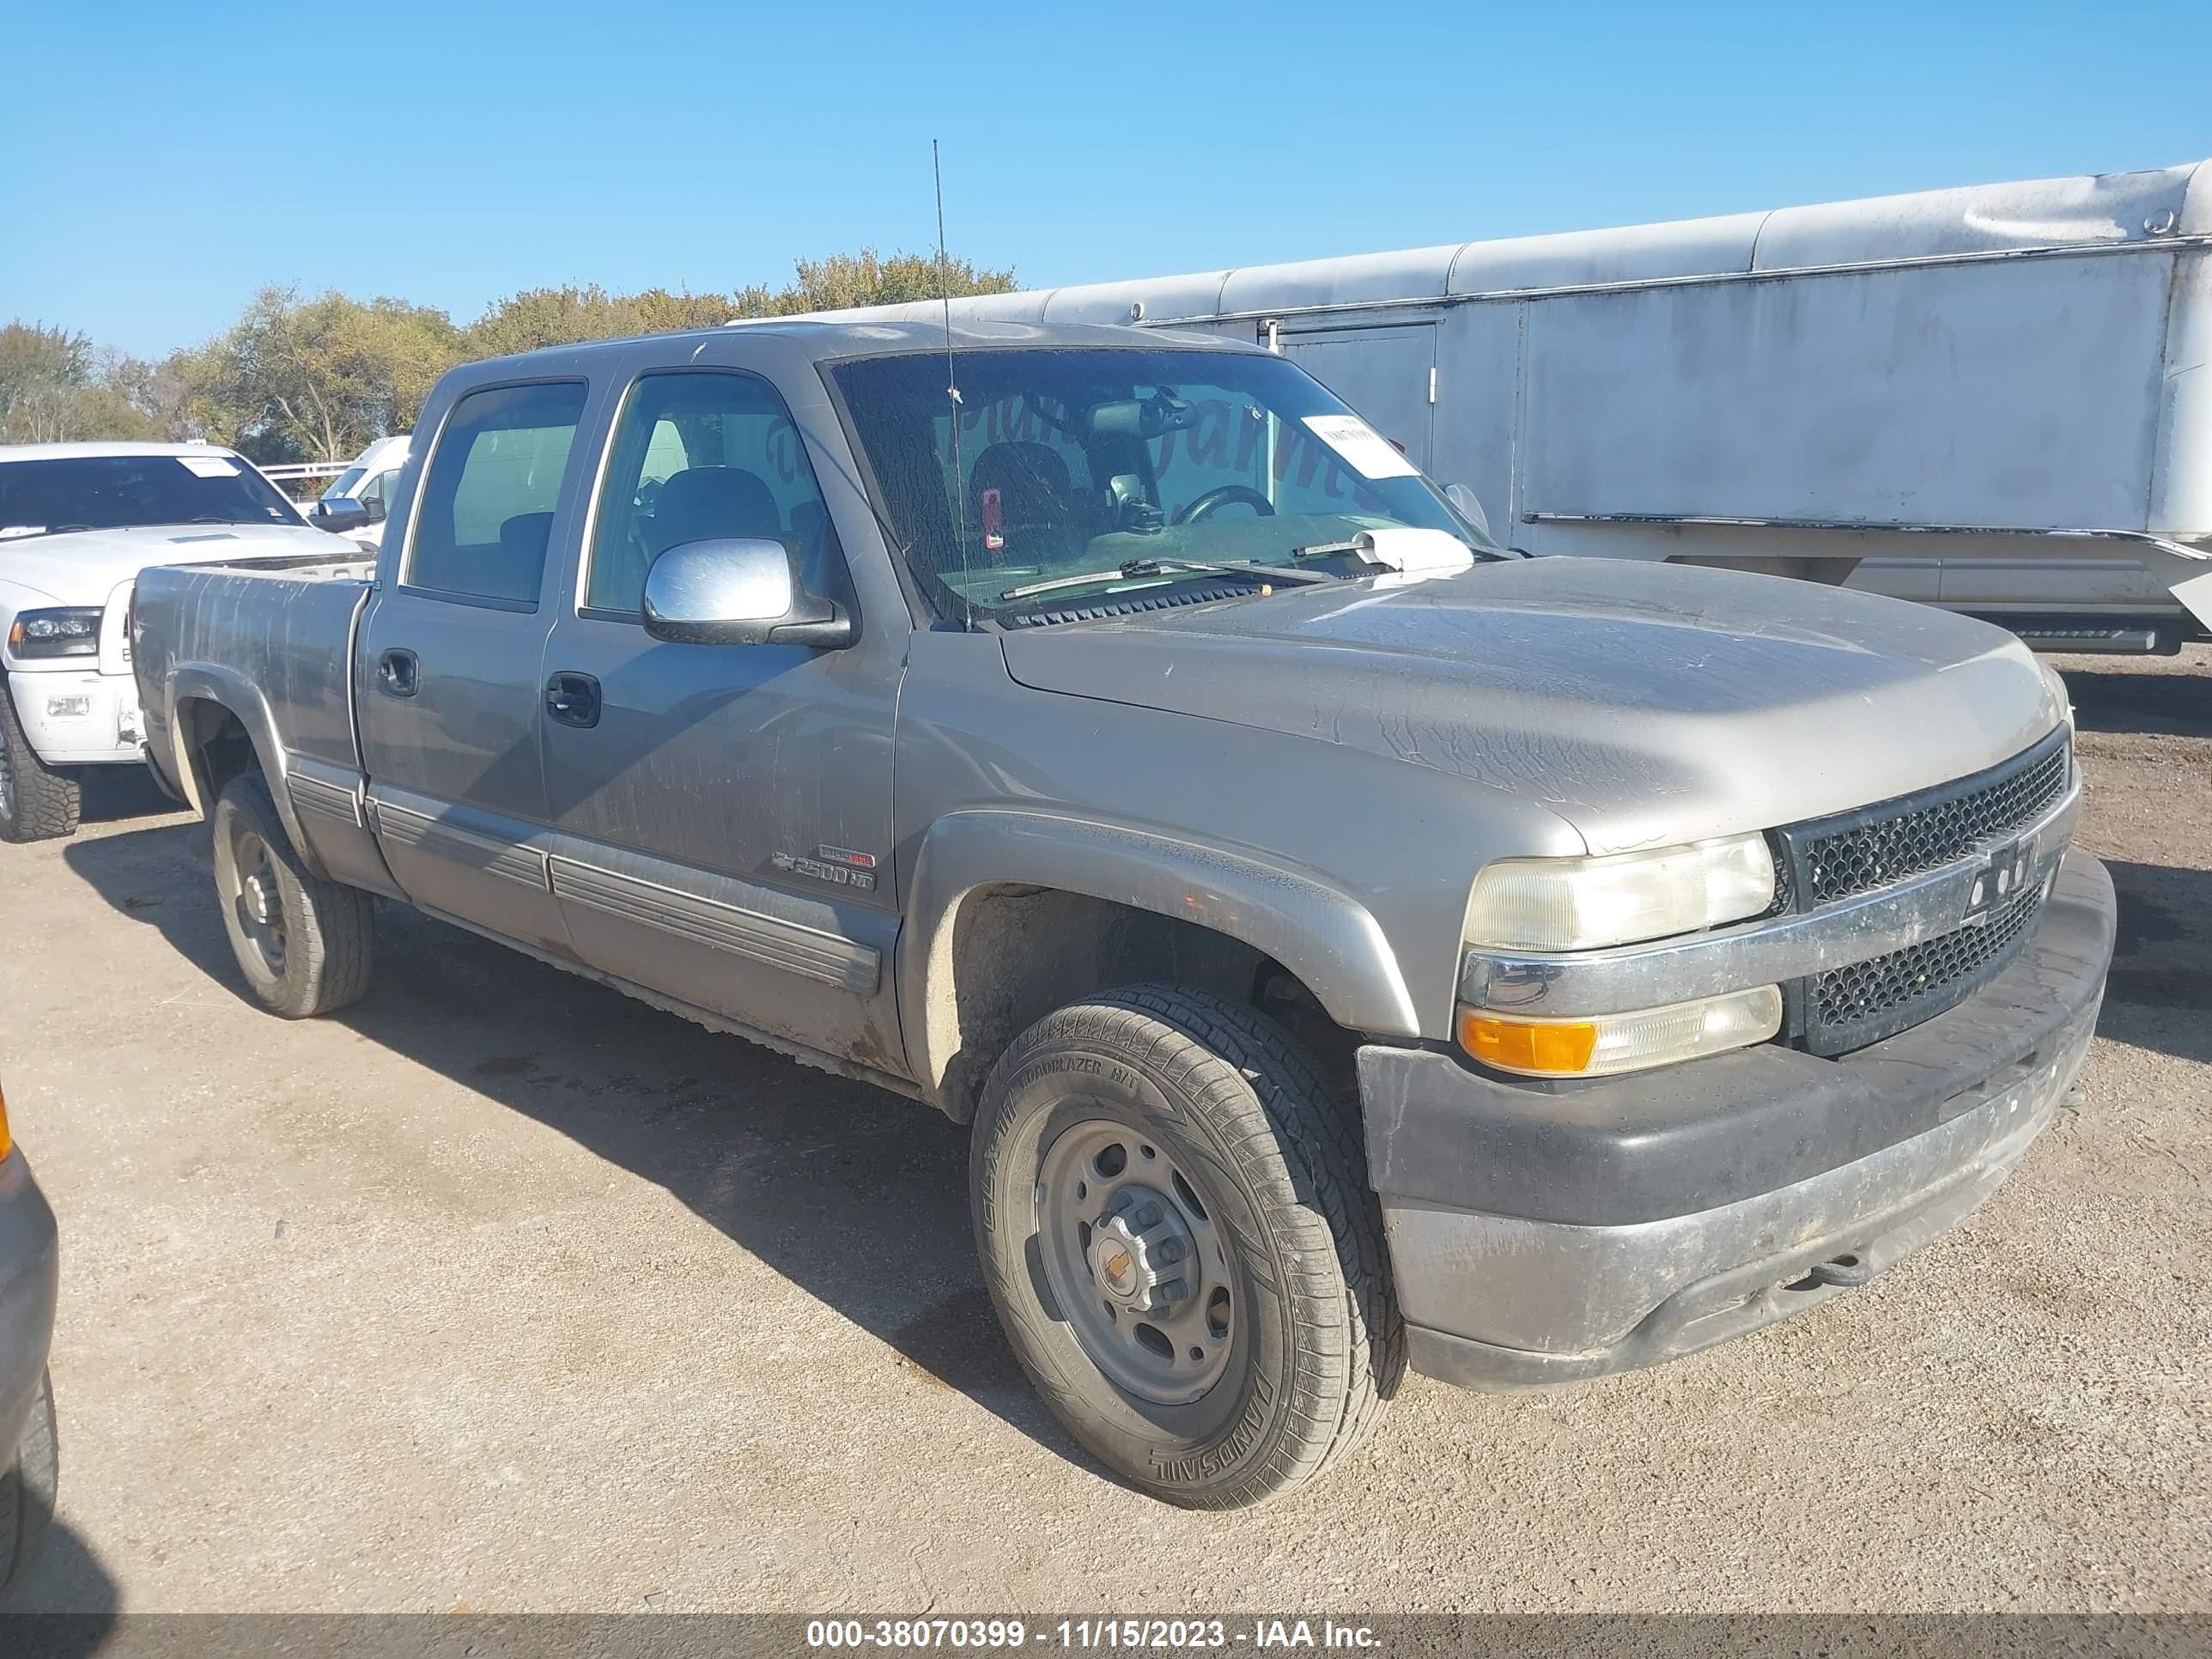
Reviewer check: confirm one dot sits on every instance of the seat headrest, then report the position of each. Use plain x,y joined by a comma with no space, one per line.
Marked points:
703,503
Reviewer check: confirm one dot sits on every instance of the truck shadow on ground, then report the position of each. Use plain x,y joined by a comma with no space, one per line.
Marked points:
857,1196
2160,985
2118,699
65,1583
115,794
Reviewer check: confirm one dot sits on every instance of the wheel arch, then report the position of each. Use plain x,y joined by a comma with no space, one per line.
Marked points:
209,706
1226,911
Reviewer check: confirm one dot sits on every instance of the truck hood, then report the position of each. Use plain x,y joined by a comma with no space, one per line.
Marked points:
1644,703
82,567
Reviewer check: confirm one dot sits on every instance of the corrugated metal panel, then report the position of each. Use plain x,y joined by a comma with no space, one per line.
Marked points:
1637,253
1976,394
2082,210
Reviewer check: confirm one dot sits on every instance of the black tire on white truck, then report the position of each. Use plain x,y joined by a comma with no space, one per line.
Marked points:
37,802
1175,1226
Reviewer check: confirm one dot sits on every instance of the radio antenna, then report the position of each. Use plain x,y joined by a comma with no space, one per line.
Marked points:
951,380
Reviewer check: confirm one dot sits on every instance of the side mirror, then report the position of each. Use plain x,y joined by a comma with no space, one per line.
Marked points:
1463,499
738,591
374,508
337,514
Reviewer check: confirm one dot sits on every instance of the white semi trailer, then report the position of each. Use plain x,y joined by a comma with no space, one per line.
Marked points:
1996,398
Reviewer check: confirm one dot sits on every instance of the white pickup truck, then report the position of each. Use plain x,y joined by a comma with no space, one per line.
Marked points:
77,524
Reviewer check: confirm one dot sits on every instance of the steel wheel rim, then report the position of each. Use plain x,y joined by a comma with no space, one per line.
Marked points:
258,901
1161,1346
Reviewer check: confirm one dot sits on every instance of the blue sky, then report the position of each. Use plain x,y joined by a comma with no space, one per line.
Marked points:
159,162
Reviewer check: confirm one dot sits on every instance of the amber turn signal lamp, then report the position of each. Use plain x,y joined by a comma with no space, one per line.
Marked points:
1549,1048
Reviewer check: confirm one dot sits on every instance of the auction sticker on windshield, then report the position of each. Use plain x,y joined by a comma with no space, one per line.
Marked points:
208,466
1367,450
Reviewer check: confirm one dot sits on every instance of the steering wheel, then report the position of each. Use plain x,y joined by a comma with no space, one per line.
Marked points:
1221,495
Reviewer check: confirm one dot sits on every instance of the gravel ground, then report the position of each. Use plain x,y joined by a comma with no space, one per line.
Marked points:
501,1291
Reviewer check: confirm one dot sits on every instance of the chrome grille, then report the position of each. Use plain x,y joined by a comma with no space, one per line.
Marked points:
1847,1008
1837,858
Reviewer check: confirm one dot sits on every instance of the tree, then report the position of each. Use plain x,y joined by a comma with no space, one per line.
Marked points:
541,316
318,378
843,279
55,388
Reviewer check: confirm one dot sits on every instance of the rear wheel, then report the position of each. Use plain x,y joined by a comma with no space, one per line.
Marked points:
303,943
37,802
1174,1224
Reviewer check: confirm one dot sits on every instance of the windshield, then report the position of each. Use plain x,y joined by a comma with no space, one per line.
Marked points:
118,492
1114,461
342,486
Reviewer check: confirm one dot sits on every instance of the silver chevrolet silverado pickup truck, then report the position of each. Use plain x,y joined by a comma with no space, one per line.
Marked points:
1352,946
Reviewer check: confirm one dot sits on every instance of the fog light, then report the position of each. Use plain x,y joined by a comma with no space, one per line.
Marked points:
1600,1045
68,708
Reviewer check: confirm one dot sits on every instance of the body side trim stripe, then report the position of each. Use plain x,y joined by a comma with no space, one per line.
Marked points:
830,957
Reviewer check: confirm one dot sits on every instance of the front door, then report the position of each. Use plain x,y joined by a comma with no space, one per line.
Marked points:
722,813
447,667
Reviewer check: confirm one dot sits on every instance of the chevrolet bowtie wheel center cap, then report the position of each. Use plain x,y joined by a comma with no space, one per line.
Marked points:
1140,1253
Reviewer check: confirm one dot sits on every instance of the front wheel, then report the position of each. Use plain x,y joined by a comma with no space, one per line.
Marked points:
303,943
37,801
1174,1224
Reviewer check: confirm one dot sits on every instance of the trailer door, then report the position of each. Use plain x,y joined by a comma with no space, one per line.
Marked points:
1387,375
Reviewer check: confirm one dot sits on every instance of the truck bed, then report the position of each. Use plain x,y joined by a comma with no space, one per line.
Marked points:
277,631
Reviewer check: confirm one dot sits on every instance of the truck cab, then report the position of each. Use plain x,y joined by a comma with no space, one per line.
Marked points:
1351,946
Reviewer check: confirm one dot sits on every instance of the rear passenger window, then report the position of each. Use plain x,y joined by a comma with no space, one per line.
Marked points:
489,495
698,456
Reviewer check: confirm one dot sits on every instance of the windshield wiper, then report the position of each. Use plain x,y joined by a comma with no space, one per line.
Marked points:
1132,568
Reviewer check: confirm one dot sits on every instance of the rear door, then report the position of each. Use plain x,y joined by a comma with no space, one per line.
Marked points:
446,664
723,812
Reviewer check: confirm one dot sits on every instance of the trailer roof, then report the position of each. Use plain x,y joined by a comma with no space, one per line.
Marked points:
2087,210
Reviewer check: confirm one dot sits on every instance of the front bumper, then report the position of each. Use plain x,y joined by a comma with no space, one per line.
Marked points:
78,718
1547,1233
30,1270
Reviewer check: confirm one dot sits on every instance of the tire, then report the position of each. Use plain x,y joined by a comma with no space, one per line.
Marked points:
1283,1239
303,943
37,801
27,1487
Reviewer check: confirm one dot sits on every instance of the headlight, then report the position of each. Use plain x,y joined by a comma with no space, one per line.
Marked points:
66,631
1599,1045
1578,904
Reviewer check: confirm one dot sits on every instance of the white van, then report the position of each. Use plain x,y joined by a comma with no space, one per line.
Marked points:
368,480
